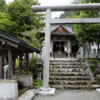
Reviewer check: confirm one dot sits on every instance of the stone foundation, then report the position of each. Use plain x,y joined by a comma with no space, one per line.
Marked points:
8,90
25,80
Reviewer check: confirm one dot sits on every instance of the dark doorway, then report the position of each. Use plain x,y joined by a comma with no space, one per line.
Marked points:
62,46
58,46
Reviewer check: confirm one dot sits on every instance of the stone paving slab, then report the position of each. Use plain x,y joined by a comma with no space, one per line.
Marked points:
71,95
28,95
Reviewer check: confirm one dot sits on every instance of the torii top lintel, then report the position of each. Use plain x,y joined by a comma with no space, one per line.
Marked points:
71,7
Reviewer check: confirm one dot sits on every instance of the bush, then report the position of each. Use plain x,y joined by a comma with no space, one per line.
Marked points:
93,60
94,63
17,63
92,67
33,65
37,83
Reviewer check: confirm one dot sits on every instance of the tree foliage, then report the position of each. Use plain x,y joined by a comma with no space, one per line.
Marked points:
86,32
19,20
33,38
20,11
2,6
5,23
65,14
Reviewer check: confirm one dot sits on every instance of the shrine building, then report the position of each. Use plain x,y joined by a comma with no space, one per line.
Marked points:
61,41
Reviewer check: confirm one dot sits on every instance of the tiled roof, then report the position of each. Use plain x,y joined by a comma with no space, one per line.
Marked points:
54,27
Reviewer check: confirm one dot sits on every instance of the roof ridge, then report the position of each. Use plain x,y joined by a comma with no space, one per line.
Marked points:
55,28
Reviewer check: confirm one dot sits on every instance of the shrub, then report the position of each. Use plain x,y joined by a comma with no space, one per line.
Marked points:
93,60
92,67
33,65
37,83
17,63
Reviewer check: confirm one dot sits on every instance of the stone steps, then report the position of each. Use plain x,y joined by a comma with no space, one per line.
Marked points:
65,63
75,87
69,78
75,82
65,66
65,60
66,70
67,74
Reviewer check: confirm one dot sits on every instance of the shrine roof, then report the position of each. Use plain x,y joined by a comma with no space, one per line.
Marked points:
7,37
68,30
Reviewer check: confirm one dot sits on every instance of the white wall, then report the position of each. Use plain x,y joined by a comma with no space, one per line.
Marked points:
8,90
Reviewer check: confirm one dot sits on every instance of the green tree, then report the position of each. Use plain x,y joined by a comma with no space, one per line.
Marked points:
86,32
5,23
65,14
33,38
2,6
20,12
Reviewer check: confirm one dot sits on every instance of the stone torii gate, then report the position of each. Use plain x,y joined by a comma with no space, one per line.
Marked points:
73,7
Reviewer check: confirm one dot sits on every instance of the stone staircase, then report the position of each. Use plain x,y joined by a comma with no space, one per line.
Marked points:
68,74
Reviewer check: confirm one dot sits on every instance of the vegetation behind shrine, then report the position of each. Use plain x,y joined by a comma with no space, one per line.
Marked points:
84,32
19,20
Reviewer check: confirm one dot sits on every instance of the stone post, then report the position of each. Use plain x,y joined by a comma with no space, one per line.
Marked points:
68,48
47,50
90,53
45,89
86,53
81,52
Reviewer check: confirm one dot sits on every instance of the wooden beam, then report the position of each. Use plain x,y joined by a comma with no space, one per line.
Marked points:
20,64
9,42
14,59
3,42
10,64
1,64
27,67
76,21
5,47
12,44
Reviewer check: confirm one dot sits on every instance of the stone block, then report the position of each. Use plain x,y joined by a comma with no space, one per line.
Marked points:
50,92
70,70
60,87
8,90
26,80
81,70
28,95
95,86
88,82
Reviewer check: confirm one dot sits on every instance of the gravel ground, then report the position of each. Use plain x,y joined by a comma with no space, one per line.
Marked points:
71,95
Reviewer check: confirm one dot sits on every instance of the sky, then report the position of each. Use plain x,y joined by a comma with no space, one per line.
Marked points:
50,3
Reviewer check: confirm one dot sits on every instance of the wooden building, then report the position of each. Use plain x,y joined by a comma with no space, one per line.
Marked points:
61,41
10,48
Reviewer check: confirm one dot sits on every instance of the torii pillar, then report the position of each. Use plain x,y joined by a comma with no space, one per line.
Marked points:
45,89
